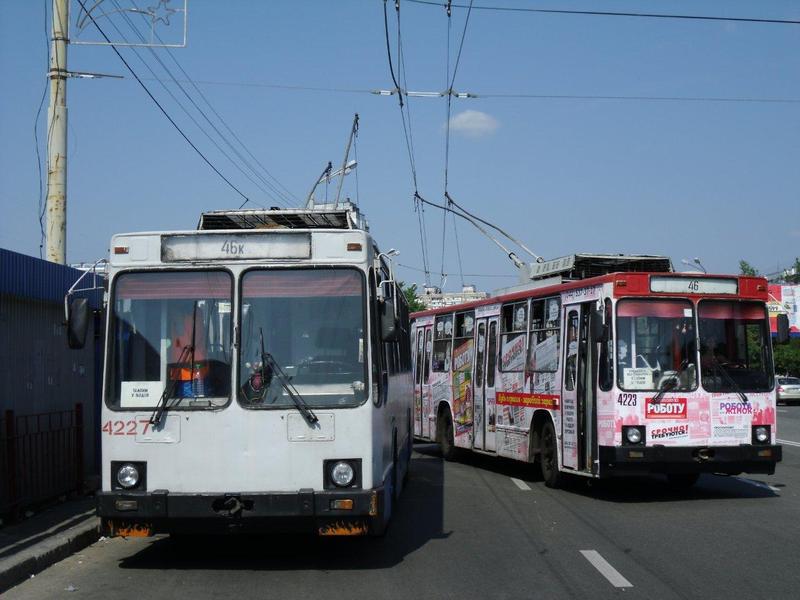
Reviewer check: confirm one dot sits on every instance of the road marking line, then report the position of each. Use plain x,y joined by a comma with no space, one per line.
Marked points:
782,410
606,570
521,484
760,484
789,443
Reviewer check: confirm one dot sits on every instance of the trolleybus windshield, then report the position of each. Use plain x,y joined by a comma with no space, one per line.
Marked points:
734,347
170,340
656,345
312,323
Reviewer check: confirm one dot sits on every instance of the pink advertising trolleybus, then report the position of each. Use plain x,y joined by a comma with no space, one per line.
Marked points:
603,365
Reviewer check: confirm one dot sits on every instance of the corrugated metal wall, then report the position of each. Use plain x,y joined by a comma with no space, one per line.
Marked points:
38,372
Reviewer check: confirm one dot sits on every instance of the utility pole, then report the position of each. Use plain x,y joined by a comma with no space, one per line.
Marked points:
56,218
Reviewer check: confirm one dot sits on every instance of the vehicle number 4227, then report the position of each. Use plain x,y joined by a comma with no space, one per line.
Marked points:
130,427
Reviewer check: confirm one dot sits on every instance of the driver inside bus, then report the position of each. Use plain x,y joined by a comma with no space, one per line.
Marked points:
710,352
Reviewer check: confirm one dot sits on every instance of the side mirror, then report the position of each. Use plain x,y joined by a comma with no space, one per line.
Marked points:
77,323
598,329
783,329
390,332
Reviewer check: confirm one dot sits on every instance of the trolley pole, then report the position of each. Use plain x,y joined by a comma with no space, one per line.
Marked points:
56,218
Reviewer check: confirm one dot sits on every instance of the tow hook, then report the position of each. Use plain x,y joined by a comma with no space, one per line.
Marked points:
704,454
231,505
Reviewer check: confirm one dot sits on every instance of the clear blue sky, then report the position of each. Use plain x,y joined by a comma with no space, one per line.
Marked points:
717,180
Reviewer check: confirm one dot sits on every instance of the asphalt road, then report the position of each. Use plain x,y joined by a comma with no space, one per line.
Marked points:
486,528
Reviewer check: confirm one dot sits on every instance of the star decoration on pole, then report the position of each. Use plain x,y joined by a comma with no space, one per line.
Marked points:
161,12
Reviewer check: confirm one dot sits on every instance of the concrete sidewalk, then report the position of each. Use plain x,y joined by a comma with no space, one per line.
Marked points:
32,545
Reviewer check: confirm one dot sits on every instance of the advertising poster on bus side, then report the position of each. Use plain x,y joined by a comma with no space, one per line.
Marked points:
784,299
462,386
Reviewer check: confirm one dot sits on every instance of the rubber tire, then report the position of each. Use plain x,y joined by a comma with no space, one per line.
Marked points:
447,437
534,454
682,481
548,457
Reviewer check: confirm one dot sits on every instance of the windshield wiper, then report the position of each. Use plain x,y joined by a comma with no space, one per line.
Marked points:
286,382
729,379
671,382
668,384
169,389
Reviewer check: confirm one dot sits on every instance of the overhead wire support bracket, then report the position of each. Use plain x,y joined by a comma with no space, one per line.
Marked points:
424,94
83,75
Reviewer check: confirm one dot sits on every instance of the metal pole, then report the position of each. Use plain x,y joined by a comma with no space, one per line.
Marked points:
353,132
325,173
56,218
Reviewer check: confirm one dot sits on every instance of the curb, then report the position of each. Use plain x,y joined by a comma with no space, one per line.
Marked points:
37,558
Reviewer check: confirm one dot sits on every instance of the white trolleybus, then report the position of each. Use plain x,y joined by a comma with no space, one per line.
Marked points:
257,377
604,365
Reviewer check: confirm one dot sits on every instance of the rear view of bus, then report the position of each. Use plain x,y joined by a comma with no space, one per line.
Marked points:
256,378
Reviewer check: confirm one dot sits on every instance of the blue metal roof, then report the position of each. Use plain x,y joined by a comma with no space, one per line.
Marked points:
32,278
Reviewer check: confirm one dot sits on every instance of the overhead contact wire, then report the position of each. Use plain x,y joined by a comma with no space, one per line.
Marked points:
450,82
142,39
600,13
161,108
407,134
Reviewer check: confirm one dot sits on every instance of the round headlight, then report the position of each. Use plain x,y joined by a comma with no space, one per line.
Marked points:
342,474
762,435
128,476
634,435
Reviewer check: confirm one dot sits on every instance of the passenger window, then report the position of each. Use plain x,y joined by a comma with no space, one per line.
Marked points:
606,359
491,364
480,353
571,370
514,337
442,343
545,328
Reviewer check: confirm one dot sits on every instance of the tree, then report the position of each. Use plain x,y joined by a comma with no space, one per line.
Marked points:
745,268
410,292
794,278
787,358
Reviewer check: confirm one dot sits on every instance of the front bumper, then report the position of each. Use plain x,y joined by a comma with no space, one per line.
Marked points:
730,460
147,513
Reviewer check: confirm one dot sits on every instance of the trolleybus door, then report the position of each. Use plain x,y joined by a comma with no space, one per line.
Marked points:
423,388
419,370
478,381
578,412
483,393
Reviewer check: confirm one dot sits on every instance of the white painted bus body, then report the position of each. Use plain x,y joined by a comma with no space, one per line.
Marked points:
227,466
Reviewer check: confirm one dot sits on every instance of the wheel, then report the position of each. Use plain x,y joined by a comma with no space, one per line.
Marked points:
446,437
549,457
682,480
